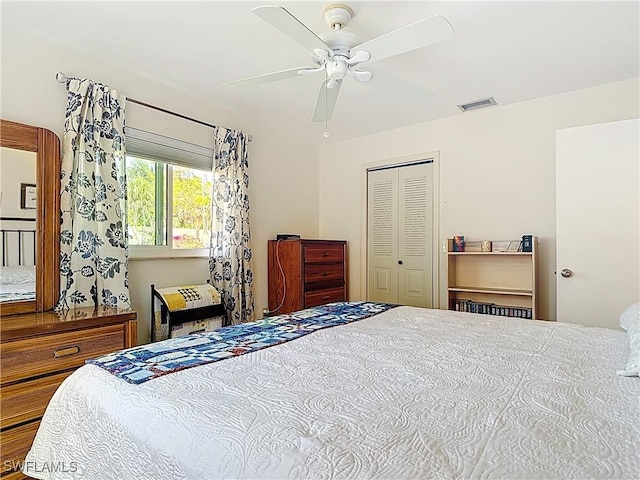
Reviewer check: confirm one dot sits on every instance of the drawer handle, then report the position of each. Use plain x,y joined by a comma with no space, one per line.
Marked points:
325,254
65,352
324,274
326,297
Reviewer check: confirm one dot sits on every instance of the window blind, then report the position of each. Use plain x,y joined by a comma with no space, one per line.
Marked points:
166,149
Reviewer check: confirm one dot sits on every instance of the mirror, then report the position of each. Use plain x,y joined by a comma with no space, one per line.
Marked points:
17,225
45,145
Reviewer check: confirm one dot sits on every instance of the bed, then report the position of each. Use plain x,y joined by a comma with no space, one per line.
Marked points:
406,393
17,273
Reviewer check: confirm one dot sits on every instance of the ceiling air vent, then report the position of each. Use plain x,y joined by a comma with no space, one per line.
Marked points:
485,102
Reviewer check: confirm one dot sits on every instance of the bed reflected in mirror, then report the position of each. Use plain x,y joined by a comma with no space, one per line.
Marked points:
29,218
18,207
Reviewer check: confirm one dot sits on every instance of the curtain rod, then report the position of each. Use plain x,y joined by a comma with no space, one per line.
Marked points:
62,78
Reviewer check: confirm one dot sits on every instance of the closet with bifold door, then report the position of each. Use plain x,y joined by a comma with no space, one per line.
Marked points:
400,204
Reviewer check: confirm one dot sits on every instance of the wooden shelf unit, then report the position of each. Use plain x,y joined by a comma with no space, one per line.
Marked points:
506,279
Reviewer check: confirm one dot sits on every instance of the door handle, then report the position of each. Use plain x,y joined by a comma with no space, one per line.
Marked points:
566,273
399,262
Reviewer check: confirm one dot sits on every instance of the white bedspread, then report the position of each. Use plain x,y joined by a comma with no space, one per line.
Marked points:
17,293
17,283
410,393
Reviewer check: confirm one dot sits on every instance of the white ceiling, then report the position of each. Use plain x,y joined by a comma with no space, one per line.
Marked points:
513,51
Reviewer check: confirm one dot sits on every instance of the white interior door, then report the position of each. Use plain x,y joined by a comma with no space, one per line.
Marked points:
597,214
399,235
382,236
415,220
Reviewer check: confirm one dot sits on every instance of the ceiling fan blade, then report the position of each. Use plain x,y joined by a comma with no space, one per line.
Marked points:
326,102
417,35
266,78
281,19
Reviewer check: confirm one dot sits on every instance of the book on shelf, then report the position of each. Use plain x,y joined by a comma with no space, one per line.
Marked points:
462,305
458,243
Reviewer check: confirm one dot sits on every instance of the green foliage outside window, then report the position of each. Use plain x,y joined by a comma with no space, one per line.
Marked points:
191,191
141,201
191,208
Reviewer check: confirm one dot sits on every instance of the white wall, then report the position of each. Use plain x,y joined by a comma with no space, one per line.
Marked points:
497,173
283,171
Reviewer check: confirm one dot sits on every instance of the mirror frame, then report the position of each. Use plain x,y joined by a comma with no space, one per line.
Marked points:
46,145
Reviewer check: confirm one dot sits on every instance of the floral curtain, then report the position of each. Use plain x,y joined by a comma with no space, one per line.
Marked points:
93,243
230,251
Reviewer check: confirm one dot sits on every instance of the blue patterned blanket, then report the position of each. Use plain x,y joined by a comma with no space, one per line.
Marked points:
146,362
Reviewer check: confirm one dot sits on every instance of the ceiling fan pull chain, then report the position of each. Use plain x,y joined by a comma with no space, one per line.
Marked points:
326,112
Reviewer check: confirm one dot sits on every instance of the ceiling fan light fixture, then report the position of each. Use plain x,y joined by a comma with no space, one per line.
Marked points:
361,75
359,57
485,102
337,68
320,57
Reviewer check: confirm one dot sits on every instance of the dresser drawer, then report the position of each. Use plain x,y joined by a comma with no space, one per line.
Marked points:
320,297
22,359
27,401
16,444
323,272
15,476
324,253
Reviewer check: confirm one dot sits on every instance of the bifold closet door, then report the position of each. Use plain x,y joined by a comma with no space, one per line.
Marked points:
399,237
415,220
382,236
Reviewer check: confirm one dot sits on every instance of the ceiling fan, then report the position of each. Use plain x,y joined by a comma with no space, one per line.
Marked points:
341,53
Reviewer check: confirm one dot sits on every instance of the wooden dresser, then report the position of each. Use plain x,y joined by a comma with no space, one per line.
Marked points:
37,352
308,272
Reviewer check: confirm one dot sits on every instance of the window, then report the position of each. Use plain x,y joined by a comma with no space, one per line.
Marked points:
168,197
191,208
146,201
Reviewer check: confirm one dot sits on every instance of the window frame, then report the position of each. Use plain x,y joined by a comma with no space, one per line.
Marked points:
168,151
